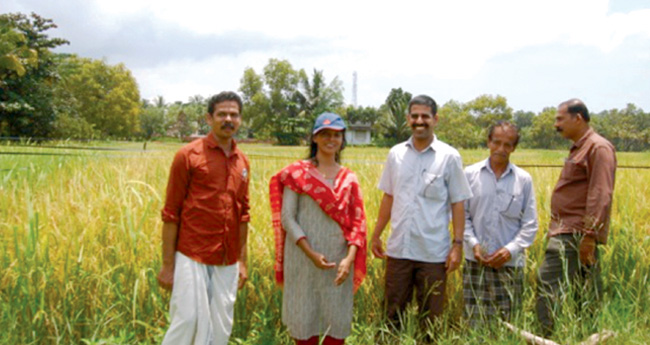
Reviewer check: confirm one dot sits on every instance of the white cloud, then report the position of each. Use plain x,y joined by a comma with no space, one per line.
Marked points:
392,43
447,40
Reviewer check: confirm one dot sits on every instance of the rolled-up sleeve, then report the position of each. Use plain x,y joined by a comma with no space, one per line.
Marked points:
177,187
244,199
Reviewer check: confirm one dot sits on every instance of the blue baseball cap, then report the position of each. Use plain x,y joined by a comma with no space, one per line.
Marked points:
328,121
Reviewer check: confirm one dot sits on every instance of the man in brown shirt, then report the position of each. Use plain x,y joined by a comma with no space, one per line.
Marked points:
580,210
205,229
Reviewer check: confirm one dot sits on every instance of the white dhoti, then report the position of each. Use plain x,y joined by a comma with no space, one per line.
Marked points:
202,303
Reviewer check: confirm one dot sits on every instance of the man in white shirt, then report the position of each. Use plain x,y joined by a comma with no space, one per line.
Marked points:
500,223
423,182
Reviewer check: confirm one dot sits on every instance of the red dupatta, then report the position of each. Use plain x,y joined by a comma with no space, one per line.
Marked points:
342,202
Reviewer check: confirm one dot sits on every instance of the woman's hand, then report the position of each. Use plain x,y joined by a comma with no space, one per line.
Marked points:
320,261
317,258
344,266
344,270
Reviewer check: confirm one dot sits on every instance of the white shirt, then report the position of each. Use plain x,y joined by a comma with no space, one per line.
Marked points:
502,213
423,185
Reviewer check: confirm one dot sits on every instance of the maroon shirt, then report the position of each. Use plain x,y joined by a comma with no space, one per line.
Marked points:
207,195
582,199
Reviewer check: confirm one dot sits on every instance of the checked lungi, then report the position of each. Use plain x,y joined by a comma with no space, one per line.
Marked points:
490,292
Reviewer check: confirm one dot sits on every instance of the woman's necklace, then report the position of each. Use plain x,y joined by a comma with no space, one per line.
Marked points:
329,172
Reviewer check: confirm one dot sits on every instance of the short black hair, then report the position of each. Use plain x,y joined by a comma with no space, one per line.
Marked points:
222,97
424,100
576,106
504,125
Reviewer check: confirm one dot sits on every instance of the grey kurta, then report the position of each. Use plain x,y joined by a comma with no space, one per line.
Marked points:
312,304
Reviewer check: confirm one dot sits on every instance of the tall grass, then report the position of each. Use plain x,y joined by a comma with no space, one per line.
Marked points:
80,250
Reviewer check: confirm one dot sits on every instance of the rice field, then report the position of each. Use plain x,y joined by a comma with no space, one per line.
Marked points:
80,251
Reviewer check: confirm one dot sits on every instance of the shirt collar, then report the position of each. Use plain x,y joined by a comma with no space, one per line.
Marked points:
212,143
582,140
434,144
486,165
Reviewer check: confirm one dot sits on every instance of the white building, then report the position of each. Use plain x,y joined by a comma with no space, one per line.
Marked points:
358,134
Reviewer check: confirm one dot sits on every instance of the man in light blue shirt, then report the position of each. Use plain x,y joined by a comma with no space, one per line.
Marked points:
423,183
500,223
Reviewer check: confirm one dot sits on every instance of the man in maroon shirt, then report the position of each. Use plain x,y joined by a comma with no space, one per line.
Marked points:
205,229
580,211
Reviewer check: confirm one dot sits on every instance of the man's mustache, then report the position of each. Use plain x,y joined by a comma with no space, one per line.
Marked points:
419,125
227,125
558,129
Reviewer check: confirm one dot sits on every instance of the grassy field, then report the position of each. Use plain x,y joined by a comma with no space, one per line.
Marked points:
80,250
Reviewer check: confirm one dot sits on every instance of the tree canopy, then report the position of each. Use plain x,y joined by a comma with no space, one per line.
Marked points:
104,97
51,95
27,73
283,102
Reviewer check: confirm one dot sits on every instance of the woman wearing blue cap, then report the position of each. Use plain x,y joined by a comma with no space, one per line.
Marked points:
320,234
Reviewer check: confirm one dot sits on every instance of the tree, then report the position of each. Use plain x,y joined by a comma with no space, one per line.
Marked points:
285,116
159,102
283,102
185,125
196,107
152,121
251,84
542,134
367,115
256,113
170,115
181,123
15,55
105,96
628,129
523,119
27,74
394,125
69,122
317,97
457,127
488,109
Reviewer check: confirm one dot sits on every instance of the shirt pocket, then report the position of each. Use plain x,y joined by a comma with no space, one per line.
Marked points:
433,187
510,205
200,171
574,170
202,176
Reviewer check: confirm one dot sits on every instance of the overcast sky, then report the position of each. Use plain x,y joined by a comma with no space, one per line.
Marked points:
535,53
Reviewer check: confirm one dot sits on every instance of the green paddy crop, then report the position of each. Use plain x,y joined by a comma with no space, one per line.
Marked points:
80,250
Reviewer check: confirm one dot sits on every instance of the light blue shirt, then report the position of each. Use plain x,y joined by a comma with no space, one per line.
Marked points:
502,213
423,184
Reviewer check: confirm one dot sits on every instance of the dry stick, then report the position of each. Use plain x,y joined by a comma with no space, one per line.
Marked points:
530,337
537,340
599,337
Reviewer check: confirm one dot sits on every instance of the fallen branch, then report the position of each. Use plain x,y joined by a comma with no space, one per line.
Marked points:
530,338
596,338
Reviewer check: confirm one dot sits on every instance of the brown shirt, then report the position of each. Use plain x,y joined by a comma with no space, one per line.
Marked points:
582,199
207,195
